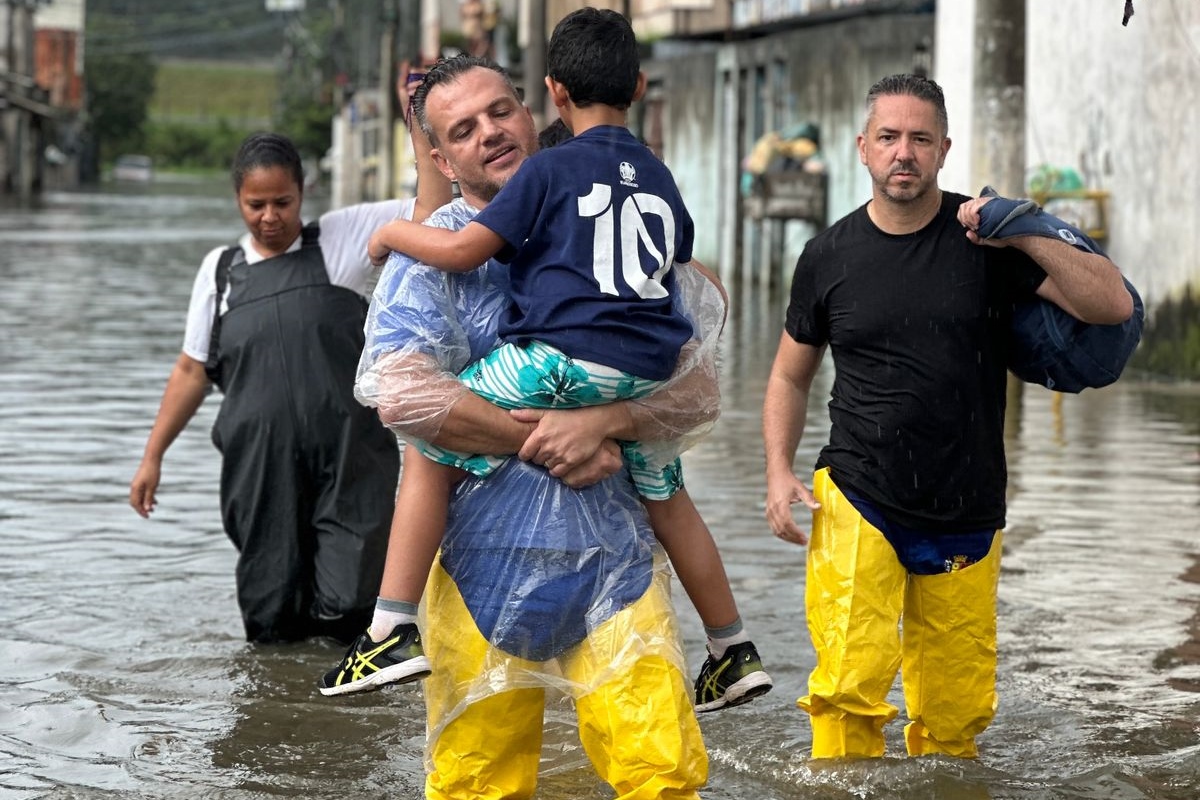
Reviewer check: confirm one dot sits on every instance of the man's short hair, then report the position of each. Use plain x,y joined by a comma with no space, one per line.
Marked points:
594,55
917,86
446,71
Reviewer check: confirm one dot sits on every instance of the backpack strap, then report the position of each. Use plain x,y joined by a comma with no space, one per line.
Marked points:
212,367
310,234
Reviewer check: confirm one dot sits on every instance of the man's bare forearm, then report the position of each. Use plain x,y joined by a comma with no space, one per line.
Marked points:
419,400
476,426
1086,285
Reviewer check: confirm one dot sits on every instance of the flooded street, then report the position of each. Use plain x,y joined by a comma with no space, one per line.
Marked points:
125,674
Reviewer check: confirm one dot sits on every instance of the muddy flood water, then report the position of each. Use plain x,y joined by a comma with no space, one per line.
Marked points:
123,673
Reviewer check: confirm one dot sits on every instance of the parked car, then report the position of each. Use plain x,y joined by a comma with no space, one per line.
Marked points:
133,168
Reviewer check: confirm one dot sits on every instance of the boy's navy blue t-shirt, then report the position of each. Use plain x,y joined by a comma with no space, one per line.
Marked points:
593,228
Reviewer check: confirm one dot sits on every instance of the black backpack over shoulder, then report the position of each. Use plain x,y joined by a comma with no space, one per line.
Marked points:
212,366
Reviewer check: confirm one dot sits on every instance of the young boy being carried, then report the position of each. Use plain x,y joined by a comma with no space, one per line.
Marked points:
591,230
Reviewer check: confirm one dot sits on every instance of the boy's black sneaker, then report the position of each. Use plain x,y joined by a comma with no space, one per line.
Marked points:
369,665
733,679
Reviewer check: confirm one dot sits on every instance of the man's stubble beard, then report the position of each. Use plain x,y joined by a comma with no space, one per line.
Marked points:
486,190
910,194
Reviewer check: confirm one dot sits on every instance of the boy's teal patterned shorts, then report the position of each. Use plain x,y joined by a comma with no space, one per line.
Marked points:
540,376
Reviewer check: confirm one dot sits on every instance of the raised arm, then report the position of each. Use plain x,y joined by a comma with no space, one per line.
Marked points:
1087,286
433,188
450,251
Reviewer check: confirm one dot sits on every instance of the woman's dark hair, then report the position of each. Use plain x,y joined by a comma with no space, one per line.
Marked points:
267,150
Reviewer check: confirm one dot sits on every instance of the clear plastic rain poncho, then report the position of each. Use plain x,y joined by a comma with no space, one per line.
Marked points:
537,585
424,327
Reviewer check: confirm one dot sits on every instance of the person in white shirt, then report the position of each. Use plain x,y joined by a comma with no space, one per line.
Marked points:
308,475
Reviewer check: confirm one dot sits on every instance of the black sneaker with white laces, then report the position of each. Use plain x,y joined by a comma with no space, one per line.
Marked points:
735,678
368,664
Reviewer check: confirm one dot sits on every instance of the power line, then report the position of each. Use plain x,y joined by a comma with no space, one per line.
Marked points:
156,32
165,44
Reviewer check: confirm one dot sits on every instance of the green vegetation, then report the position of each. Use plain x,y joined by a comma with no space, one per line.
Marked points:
201,92
306,84
119,86
1171,339
191,113
201,111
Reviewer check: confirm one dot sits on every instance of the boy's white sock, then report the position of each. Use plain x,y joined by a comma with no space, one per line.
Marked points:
720,639
389,614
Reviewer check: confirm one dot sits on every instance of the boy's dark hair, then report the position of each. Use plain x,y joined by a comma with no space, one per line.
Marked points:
594,55
556,132
260,150
449,70
917,86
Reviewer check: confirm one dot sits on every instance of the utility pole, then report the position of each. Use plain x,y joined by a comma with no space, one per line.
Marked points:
534,60
384,189
410,33
401,40
998,107
338,52
998,123
26,109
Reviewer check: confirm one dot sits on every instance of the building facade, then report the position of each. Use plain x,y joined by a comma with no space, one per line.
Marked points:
41,89
1114,106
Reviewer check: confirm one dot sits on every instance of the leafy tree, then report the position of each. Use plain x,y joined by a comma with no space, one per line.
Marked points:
119,83
306,83
190,146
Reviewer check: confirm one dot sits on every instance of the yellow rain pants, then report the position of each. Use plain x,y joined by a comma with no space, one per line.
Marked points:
485,706
856,596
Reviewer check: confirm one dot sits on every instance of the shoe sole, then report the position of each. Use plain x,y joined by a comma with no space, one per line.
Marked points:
414,669
753,685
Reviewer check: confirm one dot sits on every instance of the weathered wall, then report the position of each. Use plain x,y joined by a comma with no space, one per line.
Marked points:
814,74
1121,105
831,67
689,123
61,14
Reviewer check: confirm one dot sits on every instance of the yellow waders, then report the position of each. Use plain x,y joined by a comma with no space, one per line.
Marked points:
857,593
485,706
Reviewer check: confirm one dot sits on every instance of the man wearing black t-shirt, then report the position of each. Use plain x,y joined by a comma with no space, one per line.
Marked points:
908,495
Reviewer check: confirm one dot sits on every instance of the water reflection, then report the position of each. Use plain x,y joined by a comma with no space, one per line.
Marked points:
126,676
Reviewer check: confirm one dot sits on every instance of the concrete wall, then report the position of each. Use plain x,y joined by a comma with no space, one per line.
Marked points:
1121,105
718,102
954,69
65,15
689,122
